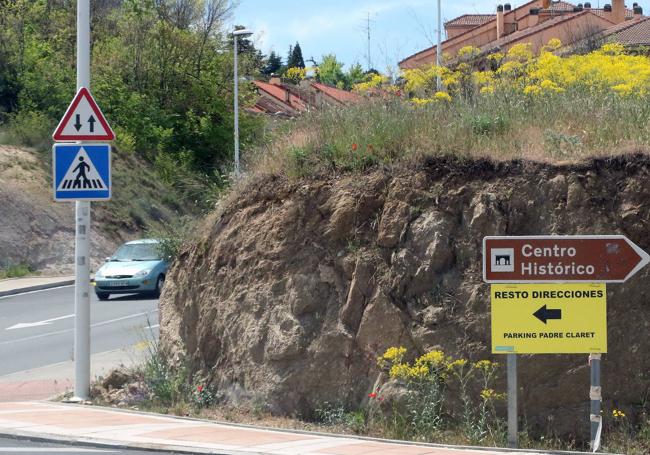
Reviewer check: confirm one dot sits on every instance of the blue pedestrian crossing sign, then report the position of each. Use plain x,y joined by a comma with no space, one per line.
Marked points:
82,172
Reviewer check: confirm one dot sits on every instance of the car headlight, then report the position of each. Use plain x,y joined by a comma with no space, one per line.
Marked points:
142,273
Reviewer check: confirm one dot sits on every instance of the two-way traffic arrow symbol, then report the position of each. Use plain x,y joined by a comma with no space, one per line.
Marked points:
78,123
544,314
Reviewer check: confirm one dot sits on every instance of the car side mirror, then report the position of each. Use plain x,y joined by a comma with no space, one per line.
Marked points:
107,259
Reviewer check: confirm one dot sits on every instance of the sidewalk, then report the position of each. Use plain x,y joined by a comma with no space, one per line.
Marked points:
114,428
15,286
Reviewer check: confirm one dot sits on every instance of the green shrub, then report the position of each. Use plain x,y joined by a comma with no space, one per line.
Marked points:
16,271
485,124
31,129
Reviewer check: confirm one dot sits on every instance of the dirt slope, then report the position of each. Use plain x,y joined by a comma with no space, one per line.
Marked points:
295,285
35,230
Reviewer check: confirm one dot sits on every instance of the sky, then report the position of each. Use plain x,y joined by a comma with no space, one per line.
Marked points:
399,28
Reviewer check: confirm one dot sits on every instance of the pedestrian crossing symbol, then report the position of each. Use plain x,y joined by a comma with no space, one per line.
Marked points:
82,172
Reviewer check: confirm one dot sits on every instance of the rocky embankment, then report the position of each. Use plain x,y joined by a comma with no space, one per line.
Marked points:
295,286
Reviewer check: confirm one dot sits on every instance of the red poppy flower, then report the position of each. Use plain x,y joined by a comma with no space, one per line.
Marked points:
354,147
372,395
199,388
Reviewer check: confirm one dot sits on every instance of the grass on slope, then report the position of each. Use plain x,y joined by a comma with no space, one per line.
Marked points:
552,128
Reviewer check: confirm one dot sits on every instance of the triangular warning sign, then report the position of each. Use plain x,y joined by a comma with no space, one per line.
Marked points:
82,175
83,121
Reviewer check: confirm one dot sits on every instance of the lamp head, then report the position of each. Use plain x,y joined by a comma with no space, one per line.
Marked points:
242,32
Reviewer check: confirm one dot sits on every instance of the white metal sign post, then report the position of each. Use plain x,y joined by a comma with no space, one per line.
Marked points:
82,173
82,233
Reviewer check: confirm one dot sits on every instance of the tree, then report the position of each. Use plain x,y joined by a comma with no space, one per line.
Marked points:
162,72
330,71
295,59
273,64
355,75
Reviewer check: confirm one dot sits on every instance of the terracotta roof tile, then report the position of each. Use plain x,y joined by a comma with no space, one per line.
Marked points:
629,14
519,35
558,7
272,106
339,95
525,7
632,33
470,19
279,93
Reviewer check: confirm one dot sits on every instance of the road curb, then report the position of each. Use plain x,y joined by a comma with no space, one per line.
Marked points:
186,450
107,444
39,287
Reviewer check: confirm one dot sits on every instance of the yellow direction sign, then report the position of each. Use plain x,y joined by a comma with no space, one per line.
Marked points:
549,318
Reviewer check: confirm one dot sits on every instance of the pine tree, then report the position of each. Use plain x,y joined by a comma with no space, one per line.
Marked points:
290,57
295,59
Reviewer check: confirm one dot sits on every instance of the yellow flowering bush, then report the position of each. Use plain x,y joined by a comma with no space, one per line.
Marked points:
392,356
491,395
522,52
468,53
428,379
608,70
375,82
442,96
421,101
296,75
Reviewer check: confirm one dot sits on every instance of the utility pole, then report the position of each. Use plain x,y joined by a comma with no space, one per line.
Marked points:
369,51
368,30
439,47
82,231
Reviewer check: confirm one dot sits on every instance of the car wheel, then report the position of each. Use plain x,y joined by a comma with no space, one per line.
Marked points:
103,295
160,283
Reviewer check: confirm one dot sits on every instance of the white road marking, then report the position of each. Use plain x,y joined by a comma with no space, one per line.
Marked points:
6,297
60,332
26,325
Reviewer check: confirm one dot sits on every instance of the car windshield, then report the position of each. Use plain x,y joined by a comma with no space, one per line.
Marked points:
137,252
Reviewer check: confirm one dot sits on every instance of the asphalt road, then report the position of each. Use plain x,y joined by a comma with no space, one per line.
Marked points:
32,447
37,328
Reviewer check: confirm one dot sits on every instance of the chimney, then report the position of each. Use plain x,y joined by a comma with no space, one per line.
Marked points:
500,22
607,11
533,20
618,11
509,20
275,80
287,95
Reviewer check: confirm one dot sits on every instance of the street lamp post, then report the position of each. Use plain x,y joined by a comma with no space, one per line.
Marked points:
236,34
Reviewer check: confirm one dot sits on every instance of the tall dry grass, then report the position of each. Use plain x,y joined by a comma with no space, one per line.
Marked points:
568,126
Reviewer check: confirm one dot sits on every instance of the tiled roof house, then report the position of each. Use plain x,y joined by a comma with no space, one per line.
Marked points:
536,22
289,100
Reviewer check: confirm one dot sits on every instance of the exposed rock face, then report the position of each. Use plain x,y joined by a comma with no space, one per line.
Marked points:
297,285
